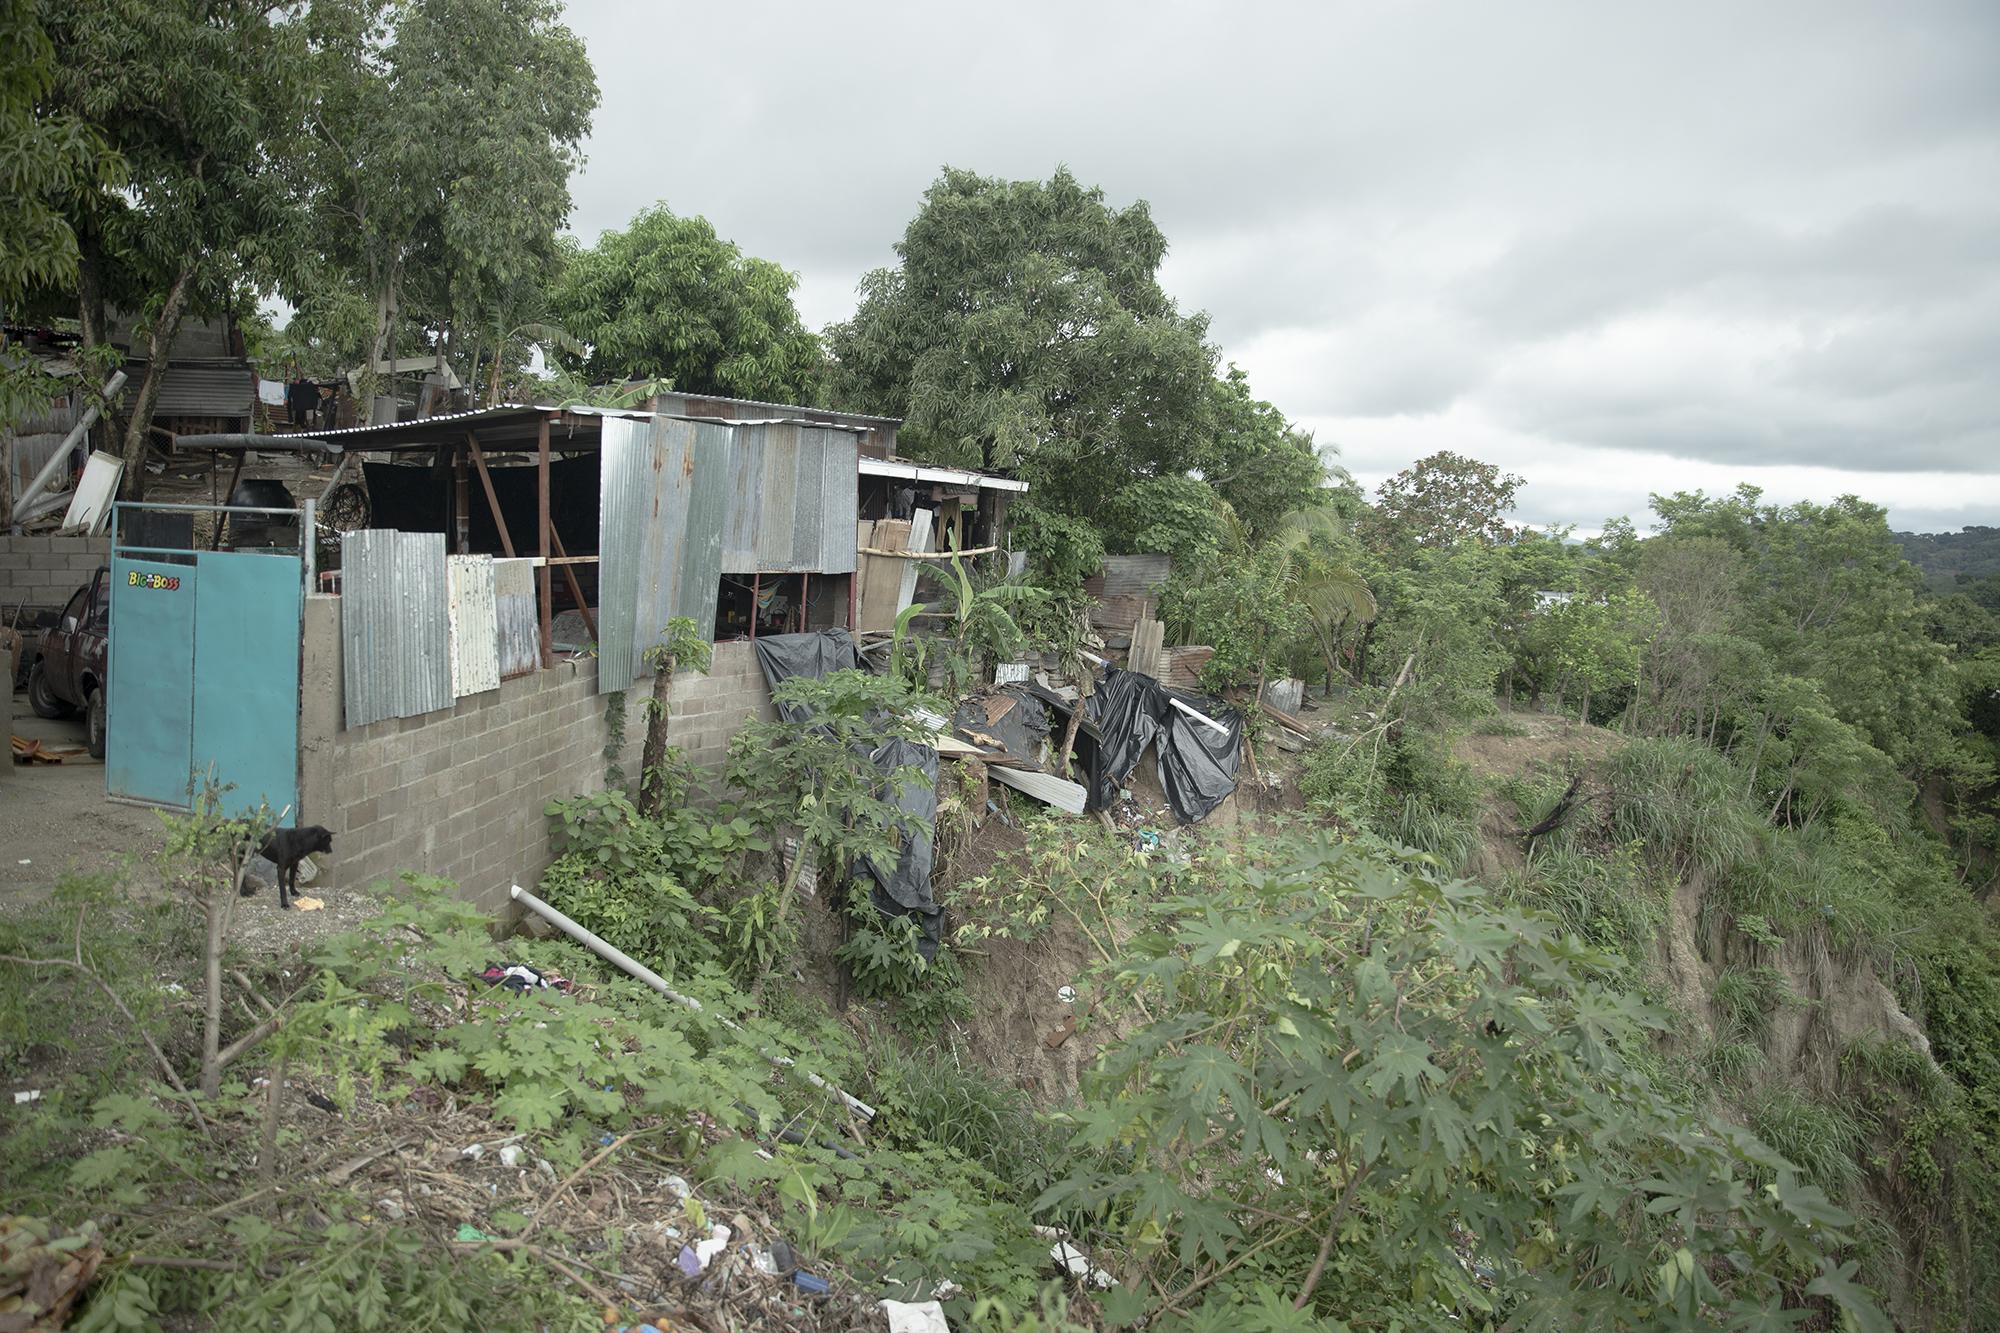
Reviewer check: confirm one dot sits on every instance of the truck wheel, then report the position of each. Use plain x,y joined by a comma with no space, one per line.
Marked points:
93,713
40,697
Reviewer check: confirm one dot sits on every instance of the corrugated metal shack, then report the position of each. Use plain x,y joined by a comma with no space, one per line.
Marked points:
625,520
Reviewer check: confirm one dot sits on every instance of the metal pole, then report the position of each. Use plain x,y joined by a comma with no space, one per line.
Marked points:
309,541
756,586
612,954
61,455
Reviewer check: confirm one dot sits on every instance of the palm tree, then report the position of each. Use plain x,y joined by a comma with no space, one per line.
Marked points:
1316,573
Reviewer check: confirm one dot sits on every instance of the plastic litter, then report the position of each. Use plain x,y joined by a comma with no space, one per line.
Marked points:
777,1261
511,1155
31,1095
468,1232
1067,995
915,1317
811,1284
694,1259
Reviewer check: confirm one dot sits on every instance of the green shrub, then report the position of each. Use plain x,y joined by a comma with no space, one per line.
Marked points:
1410,791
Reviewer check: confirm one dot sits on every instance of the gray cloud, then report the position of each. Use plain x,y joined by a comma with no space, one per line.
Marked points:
1677,235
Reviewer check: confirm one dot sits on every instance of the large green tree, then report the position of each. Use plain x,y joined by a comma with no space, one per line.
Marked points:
668,298
198,98
1025,327
1257,461
444,135
1441,500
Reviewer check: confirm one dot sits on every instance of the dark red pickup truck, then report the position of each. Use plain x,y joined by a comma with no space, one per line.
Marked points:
66,670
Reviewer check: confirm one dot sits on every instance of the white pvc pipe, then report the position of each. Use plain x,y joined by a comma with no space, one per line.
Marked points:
1194,713
61,455
612,954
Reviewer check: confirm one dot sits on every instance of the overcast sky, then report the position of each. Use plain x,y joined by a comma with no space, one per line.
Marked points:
1616,248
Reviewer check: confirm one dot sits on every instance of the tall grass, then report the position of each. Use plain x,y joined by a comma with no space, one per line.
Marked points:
939,1100
1819,1138
1684,802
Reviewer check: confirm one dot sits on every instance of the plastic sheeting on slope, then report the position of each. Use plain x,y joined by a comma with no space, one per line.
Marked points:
1129,713
902,889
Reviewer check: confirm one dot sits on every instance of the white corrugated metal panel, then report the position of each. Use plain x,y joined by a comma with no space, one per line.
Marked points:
919,540
394,631
698,565
840,503
519,626
475,626
948,476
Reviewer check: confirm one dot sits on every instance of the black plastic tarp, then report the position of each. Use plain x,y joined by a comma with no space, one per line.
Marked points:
1021,729
903,889
814,656
1129,713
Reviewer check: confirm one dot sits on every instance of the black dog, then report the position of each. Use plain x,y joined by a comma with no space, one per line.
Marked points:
285,848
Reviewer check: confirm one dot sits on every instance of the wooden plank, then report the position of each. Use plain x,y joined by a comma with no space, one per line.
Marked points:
925,555
569,576
1052,791
486,481
875,607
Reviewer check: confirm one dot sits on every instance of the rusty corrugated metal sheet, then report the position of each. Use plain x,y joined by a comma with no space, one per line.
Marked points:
195,389
627,501
394,632
700,489
520,628
475,627
663,497
792,499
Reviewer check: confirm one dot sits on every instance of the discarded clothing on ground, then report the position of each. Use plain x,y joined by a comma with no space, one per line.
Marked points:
1128,714
521,977
902,889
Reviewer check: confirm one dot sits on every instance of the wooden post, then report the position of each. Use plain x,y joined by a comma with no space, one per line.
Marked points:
546,588
492,501
569,577
805,596
461,503
235,475
756,587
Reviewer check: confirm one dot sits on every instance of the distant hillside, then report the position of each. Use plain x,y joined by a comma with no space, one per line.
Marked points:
1943,556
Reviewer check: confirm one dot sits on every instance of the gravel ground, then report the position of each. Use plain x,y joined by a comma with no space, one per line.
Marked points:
55,818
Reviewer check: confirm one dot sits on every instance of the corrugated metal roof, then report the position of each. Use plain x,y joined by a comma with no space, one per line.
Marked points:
949,476
779,411
394,630
190,389
474,415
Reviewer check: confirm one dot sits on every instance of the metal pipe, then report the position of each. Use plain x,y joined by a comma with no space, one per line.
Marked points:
270,444
61,455
1194,713
625,963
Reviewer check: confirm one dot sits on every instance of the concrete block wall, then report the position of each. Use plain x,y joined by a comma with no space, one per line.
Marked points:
44,571
460,793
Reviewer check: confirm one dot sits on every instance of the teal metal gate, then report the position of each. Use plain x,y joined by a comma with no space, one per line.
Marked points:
204,677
